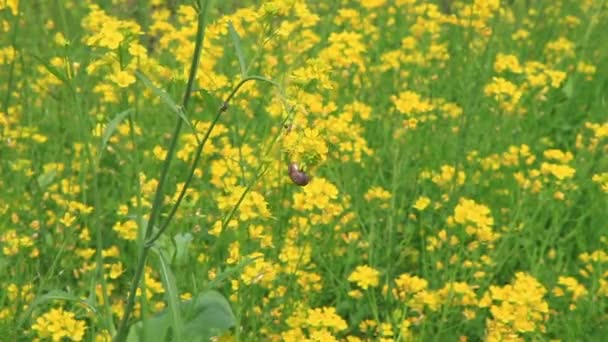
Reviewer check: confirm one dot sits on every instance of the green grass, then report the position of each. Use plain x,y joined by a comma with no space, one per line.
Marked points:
400,102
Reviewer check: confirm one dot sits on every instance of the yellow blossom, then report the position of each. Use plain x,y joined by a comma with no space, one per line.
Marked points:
365,277
123,78
58,324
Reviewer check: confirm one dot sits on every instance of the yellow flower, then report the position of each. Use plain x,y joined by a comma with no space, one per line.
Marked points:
406,285
507,63
503,91
467,211
116,270
422,202
558,155
560,172
326,317
58,325
411,103
377,192
126,230
372,3
365,277
573,286
123,78
516,308
60,39
13,5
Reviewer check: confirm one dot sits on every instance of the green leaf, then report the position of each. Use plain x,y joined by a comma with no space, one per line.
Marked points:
54,295
171,296
157,329
568,88
209,101
236,40
177,109
209,314
50,68
111,128
182,241
165,245
46,178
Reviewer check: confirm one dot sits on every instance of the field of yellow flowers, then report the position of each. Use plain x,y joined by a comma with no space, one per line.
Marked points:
289,170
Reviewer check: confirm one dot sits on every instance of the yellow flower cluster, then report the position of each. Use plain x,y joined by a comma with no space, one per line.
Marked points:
58,325
516,308
364,276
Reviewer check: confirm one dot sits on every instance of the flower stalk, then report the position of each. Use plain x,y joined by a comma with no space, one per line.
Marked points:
157,203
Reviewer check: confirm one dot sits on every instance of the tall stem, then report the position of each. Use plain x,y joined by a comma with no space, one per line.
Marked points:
197,155
158,197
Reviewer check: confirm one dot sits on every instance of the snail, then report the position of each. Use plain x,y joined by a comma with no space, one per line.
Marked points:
298,176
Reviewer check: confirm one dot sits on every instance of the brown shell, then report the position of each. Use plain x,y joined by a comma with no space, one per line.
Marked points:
297,176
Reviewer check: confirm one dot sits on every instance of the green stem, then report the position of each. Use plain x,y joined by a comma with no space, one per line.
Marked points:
157,203
198,154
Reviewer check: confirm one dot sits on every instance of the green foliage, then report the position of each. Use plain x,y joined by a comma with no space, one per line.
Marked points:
207,315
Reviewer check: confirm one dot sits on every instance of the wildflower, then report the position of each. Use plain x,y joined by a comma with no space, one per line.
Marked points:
586,69
126,230
422,202
60,39
377,192
58,324
252,206
559,171
602,180
507,63
506,93
560,47
468,211
365,277
116,269
325,317
411,103
370,4
319,194
123,78
516,308
573,286
407,285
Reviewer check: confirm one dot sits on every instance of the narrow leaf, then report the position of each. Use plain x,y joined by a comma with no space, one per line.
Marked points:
175,108
50,68
171,295
236,40
111,128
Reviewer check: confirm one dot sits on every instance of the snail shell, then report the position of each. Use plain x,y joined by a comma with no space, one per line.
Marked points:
298,176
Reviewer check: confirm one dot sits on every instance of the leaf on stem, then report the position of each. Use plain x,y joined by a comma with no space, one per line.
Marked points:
111,128
177,109
171,295
236,40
